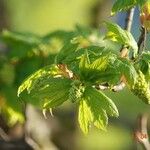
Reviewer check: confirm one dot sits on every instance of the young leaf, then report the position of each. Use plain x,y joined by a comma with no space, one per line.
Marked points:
67,49
84,64
20,44
99,99
144,64
84,31
99,70
60,34
126,69
93,108
54,92
92,51
74,58
84,116
122,5
117,34
47,87
38,77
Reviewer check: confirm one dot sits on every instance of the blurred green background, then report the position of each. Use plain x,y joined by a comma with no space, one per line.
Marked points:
42,17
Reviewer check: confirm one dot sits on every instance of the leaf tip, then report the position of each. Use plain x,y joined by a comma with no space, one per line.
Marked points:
112,13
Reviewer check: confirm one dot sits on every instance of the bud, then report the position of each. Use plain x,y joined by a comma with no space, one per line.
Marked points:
145,15
124,52
76,91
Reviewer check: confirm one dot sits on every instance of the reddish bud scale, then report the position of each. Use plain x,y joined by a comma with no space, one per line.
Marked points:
145,16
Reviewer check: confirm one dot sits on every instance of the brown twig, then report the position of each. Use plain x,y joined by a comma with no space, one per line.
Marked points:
141,134
3,135
142,40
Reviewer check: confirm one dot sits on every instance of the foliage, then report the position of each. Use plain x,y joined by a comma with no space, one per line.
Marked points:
122,36
126,4
81,65
145,15
94,107
23,50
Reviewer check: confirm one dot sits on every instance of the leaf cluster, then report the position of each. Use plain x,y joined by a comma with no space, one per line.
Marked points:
82,63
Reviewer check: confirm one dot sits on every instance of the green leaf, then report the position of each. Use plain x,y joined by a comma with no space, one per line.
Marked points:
22,37
67,49
38,77
54,92
23,45
20,44
92,51
84,31
73,59
11,108
99,70
7,74
47,87
101,101
117,34
57,39
127,69
84,117
93,108
60,34
82,38
12,117
142,2
144,64
123,5
84,64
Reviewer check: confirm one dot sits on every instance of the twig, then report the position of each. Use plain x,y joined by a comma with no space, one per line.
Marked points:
142,40
115,88
101,87
128,26
129,19
3,135
141,135
32,143
119,87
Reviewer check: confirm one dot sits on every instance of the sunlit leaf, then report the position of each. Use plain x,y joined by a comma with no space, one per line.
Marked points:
99,70
117,34
126,69
144,64
38,77
122,5
93,108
